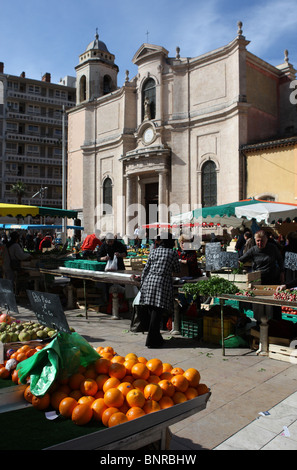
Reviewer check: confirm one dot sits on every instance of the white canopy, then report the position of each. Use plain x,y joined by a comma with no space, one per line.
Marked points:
267,212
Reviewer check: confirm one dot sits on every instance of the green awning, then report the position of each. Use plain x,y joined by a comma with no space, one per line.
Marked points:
224,210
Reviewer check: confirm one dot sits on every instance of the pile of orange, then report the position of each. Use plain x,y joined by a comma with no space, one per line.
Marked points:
115,389
8,371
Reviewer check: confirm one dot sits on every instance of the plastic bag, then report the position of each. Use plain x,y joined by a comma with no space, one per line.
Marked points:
234,341
112,265
60,358
136,300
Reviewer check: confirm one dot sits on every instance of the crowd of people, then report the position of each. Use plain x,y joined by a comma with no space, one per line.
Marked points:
166,258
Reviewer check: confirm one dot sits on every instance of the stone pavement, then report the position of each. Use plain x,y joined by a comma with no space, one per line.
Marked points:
242,385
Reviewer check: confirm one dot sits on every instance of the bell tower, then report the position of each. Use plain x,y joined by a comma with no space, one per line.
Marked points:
96,73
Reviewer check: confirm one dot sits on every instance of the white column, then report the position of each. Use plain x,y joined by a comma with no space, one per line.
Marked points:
163,193
129,199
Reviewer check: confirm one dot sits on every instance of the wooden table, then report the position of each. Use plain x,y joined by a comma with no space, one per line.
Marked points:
132,435
263,300
116,277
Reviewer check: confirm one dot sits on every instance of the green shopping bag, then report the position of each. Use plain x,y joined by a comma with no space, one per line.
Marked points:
60,358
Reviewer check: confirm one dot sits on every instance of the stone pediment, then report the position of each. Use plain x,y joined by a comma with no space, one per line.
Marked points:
147,51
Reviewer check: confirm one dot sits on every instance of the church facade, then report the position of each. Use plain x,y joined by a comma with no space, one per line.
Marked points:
169,140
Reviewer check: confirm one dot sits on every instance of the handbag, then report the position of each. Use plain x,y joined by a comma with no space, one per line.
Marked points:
112,265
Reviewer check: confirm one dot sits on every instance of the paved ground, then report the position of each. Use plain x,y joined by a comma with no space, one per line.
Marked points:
242,385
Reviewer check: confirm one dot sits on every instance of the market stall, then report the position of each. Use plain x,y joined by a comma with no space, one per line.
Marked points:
263,295
80,416
22,210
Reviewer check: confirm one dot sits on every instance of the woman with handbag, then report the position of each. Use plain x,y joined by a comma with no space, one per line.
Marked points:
13,255
156,291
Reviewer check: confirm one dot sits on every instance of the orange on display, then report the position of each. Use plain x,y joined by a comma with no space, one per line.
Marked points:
112,382
89,387
155,366
107,414
67,406
135,398
180,382
114,397
202,388
140,371
98,406
101,365
193,376
152,392
167,387
82,414
117,369
135,412
165,402
41,402
117,418
140,384
151,406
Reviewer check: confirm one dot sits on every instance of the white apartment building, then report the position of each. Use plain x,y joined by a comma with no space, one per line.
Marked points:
31,136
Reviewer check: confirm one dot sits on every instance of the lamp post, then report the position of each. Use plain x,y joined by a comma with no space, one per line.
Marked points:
64,221
41,194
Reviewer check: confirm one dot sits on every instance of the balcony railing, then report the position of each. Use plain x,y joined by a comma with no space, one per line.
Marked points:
11,157
40,99
38,180
10,199
36,118
38,139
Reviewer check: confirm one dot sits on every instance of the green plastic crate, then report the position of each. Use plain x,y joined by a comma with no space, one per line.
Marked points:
191,327
289,317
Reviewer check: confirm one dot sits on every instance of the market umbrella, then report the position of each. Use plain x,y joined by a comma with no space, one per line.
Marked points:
223,214
20,210
268,212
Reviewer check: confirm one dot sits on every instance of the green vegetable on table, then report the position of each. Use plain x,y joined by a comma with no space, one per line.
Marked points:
211,287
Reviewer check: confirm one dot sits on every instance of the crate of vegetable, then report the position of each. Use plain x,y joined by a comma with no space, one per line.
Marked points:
210,287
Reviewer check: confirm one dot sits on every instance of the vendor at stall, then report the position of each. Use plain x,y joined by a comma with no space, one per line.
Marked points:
266,258
13,255
90,244
188,257
112,247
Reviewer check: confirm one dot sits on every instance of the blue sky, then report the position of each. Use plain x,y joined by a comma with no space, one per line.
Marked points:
39,36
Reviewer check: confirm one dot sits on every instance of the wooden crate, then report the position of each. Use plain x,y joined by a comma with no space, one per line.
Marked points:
264,290
255,334
242,281
132,264
282,353
4,347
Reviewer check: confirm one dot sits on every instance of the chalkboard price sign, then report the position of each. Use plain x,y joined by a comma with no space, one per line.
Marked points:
217,259
229,259
290,261
48,310
7,296
212,256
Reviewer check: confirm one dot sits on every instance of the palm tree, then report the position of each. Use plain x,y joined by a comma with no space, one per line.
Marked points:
19,189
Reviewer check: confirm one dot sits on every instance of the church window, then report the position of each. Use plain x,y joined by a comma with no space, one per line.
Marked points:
149,99
83,89
209,184
107,196
107,84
